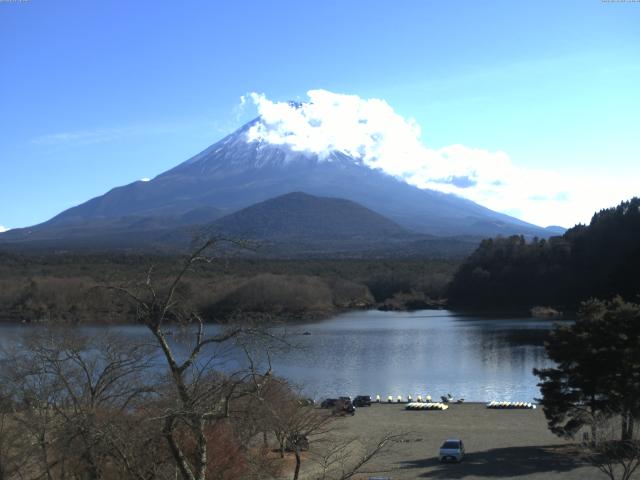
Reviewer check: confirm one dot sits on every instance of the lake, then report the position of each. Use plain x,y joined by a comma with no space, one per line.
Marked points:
431,352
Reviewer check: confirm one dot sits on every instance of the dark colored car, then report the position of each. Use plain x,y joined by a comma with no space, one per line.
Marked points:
329,403
362,401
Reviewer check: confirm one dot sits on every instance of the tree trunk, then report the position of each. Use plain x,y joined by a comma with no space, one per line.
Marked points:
93,472
42,443
298,461
281,444
201,449
594,423
181,461
627,426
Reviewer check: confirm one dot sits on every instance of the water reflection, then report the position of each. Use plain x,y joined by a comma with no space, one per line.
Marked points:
400,353
434,352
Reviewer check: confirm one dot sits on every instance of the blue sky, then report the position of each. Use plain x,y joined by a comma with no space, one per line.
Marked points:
98,94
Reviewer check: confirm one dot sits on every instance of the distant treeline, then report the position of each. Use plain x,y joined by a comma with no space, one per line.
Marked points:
599,260
69,287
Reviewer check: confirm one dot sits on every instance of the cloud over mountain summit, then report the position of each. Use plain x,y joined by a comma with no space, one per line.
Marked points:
373,133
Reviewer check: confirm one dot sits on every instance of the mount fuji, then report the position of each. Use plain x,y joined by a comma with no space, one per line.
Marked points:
236,173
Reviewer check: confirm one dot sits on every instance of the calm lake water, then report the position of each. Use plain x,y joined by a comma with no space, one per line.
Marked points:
431,352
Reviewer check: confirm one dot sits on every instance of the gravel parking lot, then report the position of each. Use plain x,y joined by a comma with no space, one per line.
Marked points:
500,444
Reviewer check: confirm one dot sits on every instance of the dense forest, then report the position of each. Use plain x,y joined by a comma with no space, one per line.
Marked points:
69,287
596,260
600,260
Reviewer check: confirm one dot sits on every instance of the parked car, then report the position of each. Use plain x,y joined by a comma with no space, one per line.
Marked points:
362,401
452,450
329,403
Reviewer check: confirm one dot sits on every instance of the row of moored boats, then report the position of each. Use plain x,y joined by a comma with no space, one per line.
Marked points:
510,405
426,406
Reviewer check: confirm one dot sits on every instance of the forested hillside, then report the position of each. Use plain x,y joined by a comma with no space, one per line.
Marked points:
66,287
601,260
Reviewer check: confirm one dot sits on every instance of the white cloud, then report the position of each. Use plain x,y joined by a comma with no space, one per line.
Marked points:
82,137
4,229
238,110
373,133
145,179
104,135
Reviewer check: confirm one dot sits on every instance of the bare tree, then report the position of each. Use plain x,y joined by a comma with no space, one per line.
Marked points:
202,394
188,404
342,459
13,442
296,426
74,398
617,459
30,398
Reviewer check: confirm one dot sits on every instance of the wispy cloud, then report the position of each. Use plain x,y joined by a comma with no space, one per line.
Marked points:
373,133
82,137
106,135
239,109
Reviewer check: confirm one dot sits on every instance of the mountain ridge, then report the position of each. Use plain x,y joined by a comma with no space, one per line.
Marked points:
300,215
235,173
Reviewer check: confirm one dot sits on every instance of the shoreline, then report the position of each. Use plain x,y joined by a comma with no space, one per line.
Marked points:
296,318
